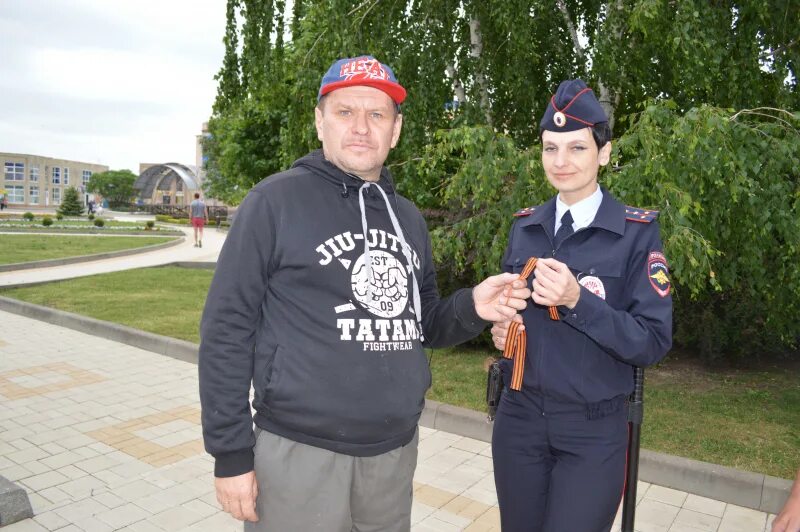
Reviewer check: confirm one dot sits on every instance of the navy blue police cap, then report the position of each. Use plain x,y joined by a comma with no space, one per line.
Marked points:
573,106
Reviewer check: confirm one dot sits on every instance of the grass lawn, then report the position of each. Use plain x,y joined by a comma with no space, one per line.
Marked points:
166,300
27,247
743,418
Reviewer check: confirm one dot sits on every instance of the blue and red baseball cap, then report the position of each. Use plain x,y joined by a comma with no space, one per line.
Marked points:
364,70
574,106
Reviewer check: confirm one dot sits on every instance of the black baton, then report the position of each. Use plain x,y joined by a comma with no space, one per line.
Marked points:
635,414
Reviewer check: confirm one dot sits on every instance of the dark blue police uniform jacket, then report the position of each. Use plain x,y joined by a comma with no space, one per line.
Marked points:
586,357
559,444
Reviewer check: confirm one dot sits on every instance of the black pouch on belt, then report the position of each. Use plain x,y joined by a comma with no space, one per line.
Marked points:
494,387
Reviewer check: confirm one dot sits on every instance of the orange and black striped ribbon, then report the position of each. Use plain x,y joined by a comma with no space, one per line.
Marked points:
517,340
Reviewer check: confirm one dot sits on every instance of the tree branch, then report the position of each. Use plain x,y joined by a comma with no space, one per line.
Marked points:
476,42
562,6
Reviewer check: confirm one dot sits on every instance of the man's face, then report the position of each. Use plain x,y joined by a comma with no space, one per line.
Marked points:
571,161
358,126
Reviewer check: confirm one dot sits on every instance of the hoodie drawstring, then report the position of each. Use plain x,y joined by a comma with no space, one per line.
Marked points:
404,245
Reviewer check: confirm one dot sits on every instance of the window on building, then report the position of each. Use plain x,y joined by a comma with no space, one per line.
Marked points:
34,172
33,195
56,175
16,193
56,196
85,176
15,171
165,199
66,175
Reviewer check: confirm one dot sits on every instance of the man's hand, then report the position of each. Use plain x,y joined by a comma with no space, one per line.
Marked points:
237,495
499,297
500,331
789,518
555,285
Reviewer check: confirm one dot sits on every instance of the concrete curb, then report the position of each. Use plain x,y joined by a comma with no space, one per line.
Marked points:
89,258
90,232
163,345
743,488
14,503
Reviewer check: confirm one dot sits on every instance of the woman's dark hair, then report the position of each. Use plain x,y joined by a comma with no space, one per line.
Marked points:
197,195
601,132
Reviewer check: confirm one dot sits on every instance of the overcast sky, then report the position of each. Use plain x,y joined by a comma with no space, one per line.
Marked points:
114,82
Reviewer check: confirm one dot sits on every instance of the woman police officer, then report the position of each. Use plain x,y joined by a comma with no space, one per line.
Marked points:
602,299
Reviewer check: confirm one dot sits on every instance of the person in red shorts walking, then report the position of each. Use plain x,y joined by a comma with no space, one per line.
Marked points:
197,211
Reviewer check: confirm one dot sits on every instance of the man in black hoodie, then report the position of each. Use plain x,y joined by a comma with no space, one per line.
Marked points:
323,298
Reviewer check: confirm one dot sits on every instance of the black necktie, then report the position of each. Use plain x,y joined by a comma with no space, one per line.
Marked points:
566,228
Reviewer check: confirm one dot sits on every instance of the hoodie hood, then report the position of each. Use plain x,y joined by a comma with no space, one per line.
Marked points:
332,174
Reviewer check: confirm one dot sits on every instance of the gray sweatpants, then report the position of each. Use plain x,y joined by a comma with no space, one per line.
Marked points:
305,488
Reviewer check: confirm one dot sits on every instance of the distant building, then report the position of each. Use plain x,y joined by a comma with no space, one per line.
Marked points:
174,183
33,181
167,184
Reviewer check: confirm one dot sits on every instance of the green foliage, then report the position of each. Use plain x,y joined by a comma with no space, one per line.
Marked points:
668,72
90,216
99,222
70,203
115,185
150,224
59,216
47,221
729,186
28,216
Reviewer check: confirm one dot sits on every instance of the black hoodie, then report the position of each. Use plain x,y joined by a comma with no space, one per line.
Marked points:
336,362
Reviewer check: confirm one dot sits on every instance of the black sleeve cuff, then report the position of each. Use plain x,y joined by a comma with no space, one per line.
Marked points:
233,464
466,314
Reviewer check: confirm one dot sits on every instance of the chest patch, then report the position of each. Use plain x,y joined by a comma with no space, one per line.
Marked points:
594,285
658,273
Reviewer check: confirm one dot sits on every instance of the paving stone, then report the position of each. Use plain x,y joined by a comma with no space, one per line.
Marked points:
28,525
51,520
704,505
44,480
739,519
697,520
175,518
651,515
123,515
666,495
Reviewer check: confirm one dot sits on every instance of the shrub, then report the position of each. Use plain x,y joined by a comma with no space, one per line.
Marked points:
162,218
71,203
150,224
28,216
91,216
99,222
47,221
59,216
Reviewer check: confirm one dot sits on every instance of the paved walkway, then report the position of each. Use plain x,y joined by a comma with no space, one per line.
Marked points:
105,436
185,252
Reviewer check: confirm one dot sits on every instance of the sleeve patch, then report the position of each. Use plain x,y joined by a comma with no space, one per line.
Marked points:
527,211
658,273
635,214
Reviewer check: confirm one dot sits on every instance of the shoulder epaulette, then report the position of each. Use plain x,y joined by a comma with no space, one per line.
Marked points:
635,214
527,211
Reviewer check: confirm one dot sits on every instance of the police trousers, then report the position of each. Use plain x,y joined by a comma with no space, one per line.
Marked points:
558,467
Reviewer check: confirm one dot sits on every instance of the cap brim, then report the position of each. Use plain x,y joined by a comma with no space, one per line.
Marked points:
395,91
